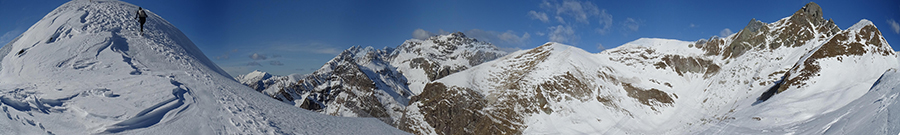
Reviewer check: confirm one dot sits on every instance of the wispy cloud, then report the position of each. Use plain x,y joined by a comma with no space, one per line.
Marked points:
569,16
692,25
606,21
276,63
502,39
894,25
631,24
539,16
725,32
257,56
562,34
421,34
580,11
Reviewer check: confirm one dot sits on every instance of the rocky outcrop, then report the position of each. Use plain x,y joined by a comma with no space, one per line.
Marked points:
683,65
795,31
865,40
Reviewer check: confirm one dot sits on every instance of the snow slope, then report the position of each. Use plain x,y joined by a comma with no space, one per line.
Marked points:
85,69
821,77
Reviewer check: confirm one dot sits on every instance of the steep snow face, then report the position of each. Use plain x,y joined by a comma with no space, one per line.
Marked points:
660,86
85,69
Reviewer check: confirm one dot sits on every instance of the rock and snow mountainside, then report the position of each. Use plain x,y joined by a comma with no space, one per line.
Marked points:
85,69
365,82
800,74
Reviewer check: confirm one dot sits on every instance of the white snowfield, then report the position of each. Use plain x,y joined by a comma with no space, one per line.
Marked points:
850,94
828,81
85,69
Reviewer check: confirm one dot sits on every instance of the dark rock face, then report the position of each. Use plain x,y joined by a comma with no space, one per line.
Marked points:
747,38
651,97
796,31
711,46
683,65
811,13
458,111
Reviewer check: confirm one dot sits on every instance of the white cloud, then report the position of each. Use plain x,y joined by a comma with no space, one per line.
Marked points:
894,25
257,56
692,25
570,15
539,15
560,20
421,34
605,22
725,32
504,39
326,50
562,34
631,24
581,11
442,32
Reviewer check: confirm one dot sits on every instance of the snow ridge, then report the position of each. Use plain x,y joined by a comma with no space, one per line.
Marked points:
85,69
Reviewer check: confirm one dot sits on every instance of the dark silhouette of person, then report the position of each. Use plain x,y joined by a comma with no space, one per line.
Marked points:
143,18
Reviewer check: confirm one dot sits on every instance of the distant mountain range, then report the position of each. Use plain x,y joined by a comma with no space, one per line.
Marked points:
799,75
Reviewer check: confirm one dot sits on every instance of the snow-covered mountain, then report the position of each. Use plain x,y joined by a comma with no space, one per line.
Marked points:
365,82
800,74
85,69
796,75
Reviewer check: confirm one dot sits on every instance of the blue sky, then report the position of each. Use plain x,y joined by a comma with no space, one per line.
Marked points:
284,36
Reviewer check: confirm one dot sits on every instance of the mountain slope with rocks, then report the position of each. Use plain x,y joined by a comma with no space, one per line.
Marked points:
86,69
800,74
368,82
789,76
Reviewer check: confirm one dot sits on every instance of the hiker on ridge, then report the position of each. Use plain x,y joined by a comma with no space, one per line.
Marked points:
143,18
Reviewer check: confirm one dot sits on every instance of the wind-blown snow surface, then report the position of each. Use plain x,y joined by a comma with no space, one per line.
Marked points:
85,69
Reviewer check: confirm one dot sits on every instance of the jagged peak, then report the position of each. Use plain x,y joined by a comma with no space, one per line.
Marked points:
458,34
811,12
